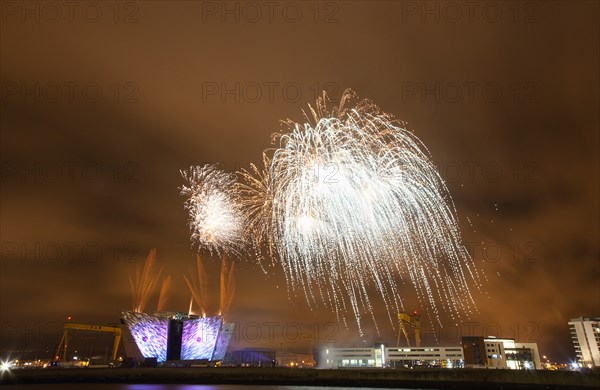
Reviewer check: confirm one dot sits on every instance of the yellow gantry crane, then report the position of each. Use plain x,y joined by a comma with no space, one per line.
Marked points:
64,341
412,321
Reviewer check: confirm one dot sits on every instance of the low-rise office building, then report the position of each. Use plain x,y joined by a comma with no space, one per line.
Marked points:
475,352
492,352
382,356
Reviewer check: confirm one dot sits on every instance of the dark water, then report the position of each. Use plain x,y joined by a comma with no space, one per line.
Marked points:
112,386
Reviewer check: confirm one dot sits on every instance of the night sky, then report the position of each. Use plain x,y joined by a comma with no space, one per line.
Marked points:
102,105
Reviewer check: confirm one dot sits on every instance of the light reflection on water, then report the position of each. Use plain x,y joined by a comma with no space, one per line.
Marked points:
226,387
116,386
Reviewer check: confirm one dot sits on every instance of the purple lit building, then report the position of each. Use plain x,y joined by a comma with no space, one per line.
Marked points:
169,336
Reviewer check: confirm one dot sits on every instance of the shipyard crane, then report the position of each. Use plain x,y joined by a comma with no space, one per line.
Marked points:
64,341
409,320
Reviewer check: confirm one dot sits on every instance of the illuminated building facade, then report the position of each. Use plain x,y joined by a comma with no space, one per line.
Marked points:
176,336
585,332
351,357
445,357
382,356
475,352
492,352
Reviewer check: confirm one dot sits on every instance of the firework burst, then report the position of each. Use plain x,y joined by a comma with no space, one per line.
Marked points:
215,216
351,206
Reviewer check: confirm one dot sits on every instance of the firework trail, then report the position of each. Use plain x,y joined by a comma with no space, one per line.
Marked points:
349,204
227,286
215,217
145,280
197,283
163,295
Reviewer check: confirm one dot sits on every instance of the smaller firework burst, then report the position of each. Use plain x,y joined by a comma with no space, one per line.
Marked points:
215,216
